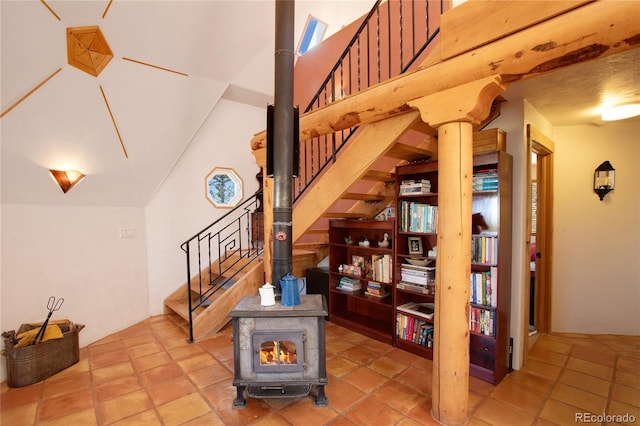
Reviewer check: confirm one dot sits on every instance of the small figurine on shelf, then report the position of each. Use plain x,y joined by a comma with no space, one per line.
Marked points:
364,242
340,269
386,241
348,240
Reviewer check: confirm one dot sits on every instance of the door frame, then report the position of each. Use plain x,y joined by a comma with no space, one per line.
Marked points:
543,147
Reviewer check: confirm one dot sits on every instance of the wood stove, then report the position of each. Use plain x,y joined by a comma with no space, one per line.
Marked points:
279,351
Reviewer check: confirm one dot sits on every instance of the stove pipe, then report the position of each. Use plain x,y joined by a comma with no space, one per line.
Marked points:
283,139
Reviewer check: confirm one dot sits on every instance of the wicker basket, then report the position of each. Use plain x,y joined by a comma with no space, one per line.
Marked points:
31,364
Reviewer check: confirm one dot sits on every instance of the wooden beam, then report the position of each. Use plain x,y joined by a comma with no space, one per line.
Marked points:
592,31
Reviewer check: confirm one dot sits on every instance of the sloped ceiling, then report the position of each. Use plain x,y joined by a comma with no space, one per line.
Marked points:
125,128
173,61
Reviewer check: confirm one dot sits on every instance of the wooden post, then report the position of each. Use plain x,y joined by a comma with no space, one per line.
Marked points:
451,329
453,112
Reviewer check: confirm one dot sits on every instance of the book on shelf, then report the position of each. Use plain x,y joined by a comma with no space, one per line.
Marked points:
418,186
482,321
424,310
381,265
414,330
483,287
376,289
484,249
349,284
418,288
418,217
485,180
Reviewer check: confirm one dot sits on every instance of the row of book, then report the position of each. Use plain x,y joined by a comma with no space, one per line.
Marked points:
483,287
417,186
417,217
376,289
381,266
484,249
482,321
416,274
485,180
349,284
414,330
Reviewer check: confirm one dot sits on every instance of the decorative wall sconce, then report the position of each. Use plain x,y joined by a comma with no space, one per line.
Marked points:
67,179
604,179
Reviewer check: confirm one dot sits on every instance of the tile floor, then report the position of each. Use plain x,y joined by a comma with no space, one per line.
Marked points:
148,374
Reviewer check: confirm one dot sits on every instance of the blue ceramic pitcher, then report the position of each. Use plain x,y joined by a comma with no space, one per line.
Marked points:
290,292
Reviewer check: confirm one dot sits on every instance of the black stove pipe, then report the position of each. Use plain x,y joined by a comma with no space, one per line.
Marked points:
283,138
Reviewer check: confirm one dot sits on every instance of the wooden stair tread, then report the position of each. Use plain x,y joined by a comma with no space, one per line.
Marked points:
406,152
340,215
363,197
378,176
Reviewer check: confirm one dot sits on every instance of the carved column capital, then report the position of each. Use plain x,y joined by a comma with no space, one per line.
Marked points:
470,102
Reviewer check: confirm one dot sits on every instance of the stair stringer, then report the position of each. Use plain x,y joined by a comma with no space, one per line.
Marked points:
355,159
216,315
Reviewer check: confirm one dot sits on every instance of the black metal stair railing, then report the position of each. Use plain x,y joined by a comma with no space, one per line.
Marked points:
393,35
217,254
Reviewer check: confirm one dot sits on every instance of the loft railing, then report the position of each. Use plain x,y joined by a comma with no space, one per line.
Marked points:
218,253
393,35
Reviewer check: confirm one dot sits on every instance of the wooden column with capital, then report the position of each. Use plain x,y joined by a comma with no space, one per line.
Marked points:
450,388
453,112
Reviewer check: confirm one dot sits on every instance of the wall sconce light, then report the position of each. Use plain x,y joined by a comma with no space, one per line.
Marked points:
67,179
604,179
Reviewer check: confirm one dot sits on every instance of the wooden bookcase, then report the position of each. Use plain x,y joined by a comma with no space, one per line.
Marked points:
357,310
491,208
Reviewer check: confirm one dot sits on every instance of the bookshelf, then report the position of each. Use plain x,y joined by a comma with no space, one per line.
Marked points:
361,277
490,279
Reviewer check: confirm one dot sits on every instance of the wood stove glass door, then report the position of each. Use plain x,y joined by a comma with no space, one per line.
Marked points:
278,351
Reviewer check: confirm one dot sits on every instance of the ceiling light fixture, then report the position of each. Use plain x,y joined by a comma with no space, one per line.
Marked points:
620,112
67,179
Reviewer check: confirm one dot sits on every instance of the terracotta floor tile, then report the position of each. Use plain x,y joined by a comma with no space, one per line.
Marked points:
373,412
542,369
210,419
579,398
593,355
498,413
66,404
24,414
338,345
185,351
519,397
628,364
359,355
560,413
107,374
109,344
160,374
149,417
626,394
628,378
341,394
124,406
169,390
304,412
66,384
144,350
196,362
340,366
547,344
550,357
212,373
404,398
183,409
108,359
15,397
480,386
116,388
364,379
139,339
625,412
586,382
85,418
387,366
591,368
531,381
150,361
416,378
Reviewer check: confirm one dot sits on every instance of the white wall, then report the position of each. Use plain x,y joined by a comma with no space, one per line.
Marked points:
596,251
180,209
75,253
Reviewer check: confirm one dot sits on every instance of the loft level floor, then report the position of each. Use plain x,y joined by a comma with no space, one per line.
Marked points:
148,374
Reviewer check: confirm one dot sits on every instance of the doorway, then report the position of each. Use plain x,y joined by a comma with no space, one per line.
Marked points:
539,232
